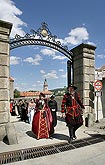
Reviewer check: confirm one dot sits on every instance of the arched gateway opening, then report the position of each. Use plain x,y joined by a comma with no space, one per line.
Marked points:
80,61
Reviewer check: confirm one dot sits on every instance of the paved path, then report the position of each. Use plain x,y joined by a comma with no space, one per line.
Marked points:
92,154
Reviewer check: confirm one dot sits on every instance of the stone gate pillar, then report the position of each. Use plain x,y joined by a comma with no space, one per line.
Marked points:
5,126
84,77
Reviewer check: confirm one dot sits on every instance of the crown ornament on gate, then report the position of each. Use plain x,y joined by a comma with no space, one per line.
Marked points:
44,33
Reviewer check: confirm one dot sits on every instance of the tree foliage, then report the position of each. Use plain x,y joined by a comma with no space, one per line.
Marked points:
16,93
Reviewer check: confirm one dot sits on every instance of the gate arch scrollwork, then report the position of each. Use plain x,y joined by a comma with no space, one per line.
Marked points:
41,37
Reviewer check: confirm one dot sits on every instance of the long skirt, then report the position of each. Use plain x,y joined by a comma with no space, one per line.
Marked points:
42,124
30,116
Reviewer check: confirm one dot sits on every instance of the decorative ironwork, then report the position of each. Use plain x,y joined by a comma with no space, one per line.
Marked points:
43,37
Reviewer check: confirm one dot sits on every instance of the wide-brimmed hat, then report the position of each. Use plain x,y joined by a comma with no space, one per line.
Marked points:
42,94
52,97
71,85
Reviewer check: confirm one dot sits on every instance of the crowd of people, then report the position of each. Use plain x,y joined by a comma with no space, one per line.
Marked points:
41,113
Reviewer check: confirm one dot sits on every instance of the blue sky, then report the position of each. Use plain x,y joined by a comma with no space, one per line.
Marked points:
72,21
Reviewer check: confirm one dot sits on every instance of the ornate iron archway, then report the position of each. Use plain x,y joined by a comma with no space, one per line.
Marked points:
82,60
43,37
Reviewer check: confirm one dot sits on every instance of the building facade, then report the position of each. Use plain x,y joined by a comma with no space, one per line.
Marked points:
37,93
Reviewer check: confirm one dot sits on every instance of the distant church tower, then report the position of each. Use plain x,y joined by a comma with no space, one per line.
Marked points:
45,86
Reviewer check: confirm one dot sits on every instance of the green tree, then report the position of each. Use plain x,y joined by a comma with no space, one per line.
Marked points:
16,93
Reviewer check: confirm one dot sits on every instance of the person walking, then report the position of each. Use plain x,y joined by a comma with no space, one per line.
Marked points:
25,111
42,121
53,108
31,110
71,108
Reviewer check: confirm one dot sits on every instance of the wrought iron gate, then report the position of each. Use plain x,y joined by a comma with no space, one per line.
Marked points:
43,37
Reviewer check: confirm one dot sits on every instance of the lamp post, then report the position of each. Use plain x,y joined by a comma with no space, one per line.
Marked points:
97,121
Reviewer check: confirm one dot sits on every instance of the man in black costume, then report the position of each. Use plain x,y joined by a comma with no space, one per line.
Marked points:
53,107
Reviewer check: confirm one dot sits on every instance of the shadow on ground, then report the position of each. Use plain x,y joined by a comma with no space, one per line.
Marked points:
60,136
31,134
55,136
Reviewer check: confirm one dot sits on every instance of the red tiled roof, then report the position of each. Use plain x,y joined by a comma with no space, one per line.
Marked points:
11,79
29,94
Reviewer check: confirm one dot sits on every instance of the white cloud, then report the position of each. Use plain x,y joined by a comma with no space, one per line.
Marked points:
61,70
9,13
14,60
34,61
91,43
52,53
64,75
101,56
58,57
47,52
51,75
38,81
76,36
42,71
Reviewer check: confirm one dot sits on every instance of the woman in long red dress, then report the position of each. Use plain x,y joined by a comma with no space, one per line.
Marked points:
42,121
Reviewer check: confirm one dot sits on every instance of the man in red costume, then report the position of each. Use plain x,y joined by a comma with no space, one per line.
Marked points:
72,109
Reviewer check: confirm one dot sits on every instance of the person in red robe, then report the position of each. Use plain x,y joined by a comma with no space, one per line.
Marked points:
42,125
71,108
11,106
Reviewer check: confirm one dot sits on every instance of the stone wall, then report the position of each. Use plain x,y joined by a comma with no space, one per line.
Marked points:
84,75
5,29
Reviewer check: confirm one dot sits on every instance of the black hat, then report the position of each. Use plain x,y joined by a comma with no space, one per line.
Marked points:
42,94
71,85
52,97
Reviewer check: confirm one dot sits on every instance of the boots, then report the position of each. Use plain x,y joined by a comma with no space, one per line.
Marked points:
70,134
74,136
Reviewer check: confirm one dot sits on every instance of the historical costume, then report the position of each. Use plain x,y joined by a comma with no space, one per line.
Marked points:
53,107
11,106
72,107
31,110
24,110
42,121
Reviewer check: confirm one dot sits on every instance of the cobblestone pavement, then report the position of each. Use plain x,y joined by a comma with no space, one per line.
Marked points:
92,155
